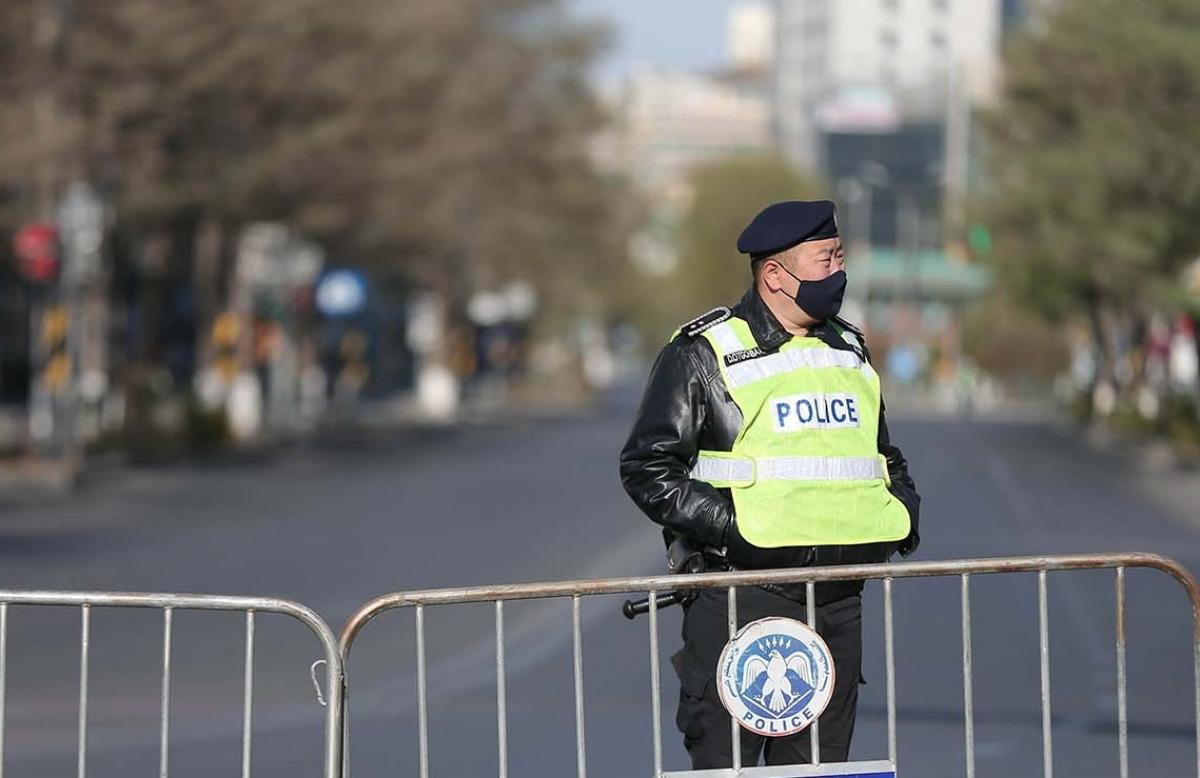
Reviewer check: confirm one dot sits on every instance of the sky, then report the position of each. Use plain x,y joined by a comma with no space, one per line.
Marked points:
685,34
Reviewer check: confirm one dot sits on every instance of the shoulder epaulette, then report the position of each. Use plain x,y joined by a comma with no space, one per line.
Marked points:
850,334
848,326
701,323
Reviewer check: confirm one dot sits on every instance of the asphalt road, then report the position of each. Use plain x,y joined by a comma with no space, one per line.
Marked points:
540,500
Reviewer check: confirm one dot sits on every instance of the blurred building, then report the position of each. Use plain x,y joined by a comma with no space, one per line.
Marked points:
1015,13
750,36
668,121
878,97
873,65
749,52
1021,13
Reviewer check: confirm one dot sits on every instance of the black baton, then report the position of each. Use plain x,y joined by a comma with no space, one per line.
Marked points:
634,608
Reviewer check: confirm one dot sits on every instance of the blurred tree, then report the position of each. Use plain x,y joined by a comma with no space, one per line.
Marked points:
448,138
1095,162
1026,350
392,125
727,195
724,196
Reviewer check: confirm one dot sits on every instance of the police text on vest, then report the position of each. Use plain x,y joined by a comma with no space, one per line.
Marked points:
814,411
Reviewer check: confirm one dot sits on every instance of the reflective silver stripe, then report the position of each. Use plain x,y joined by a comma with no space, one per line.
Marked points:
722,469
727,338
746,470
781,362
820,469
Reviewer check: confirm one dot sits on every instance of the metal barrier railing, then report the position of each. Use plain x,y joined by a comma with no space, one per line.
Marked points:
168,604
887,573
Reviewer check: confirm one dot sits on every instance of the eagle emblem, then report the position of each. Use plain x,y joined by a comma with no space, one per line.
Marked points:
775,681
776,676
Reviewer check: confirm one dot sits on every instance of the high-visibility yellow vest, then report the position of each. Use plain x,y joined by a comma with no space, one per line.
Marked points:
805,469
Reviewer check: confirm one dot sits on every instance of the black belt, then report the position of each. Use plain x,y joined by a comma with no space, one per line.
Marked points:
793,592
796,592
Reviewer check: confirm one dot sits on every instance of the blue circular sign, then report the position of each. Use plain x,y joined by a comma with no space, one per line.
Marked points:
341,293
776,676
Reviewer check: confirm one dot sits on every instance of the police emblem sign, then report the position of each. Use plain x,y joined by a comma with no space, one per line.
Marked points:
776,676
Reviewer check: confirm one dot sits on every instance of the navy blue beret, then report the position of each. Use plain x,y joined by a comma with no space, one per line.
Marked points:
782,225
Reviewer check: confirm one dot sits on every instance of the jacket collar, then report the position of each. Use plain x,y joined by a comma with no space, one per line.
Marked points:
768,333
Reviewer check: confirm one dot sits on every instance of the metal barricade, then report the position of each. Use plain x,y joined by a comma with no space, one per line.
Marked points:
887,573
168,604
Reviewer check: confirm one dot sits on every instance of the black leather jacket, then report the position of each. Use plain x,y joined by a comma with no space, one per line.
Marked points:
686,409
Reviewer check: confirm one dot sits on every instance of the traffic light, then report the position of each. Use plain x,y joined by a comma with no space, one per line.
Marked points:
979,238
36,249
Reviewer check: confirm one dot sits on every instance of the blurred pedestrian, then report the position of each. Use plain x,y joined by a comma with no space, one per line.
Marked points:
761,441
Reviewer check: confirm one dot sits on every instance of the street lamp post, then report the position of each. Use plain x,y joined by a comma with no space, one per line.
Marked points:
853,194
874,175
80,219
861,191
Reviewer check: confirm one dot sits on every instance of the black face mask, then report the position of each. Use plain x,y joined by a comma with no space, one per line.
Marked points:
820,299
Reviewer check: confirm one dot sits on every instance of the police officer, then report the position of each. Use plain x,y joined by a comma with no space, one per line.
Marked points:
761,438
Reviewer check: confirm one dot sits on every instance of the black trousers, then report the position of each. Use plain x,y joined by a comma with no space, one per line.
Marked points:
705,723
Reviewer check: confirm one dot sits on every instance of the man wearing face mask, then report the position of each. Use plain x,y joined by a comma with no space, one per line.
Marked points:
761,440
